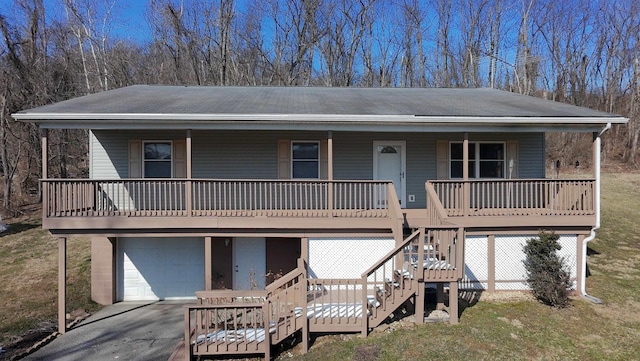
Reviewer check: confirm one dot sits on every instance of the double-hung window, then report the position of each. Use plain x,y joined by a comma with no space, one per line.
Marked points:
486,159
157,159
305,160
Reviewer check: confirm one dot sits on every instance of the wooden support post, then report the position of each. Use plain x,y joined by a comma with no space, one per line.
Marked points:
189,185
420,296
491,263
189,154
304,250
303,304
62,285
466,201
45,147
207,263
581,263
187,333
45,171
453,303
268,335
330,155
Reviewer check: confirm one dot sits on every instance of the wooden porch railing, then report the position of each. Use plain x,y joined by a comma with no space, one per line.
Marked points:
526,197
436,214
442,254
335,304
222,198
245,322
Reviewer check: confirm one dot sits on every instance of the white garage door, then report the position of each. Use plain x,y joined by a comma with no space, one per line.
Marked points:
152,269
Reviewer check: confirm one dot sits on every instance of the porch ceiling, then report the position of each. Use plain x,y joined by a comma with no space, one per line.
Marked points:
315,108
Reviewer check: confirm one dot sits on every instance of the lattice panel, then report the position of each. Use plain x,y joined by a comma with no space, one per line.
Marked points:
569,253
345,257
475,263
510,272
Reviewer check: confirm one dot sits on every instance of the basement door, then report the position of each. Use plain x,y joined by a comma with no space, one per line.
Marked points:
389,164
249,263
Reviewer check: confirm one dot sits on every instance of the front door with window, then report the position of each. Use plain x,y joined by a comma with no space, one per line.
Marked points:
389,164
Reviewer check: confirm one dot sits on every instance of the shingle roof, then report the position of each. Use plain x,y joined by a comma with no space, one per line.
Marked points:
141,99
278,108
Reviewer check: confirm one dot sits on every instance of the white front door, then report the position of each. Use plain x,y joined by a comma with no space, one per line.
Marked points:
249,263
389,164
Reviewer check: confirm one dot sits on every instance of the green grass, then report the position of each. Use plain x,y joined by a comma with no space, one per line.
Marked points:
526,329
28,278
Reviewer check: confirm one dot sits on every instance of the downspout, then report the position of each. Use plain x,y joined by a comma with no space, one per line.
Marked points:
592,235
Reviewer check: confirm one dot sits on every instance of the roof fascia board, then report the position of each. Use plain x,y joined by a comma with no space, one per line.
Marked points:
155,117
345,127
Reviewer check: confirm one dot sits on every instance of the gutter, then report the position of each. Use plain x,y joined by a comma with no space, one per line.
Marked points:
592,235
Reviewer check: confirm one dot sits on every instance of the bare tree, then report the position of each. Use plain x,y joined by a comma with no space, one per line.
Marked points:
90,22
526,62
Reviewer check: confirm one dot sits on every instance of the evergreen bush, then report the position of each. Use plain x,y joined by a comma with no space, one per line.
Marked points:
547,274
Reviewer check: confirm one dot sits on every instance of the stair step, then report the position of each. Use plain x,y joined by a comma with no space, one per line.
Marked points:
404,273
395,284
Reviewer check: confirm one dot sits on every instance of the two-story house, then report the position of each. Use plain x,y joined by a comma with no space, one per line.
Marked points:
336,203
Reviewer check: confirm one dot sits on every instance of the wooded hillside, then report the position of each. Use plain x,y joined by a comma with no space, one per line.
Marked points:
579,52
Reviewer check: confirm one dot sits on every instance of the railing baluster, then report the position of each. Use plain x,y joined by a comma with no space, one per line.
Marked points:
516,197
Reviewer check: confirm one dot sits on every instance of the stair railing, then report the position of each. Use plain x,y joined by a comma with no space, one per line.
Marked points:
286,303
391,277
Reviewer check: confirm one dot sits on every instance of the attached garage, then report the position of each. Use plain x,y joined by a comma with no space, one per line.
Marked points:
150,269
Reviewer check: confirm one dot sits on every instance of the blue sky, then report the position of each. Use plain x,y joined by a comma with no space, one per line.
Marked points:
128,19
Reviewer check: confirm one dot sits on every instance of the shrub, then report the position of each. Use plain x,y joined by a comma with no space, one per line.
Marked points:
547,273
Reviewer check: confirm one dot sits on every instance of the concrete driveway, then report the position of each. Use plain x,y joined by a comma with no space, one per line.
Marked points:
123,331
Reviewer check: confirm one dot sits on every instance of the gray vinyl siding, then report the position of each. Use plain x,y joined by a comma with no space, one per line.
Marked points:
241,155
253,154
110,150
109,155
532,155
228,154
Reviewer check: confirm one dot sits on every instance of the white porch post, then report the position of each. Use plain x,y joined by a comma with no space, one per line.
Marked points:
62,285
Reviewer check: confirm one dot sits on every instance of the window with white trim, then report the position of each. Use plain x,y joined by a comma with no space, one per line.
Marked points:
305,160
157,159
486,159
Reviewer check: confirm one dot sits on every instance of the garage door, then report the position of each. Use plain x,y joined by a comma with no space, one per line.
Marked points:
152,269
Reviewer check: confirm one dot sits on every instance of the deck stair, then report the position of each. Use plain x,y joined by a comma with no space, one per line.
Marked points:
227,322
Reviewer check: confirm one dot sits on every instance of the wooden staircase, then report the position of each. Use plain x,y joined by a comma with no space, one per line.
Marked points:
227,322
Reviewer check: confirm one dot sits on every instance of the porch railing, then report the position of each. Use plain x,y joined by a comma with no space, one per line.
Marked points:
223,198
528,197
239,322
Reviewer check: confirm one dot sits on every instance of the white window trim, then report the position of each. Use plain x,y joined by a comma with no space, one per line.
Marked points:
144,160
291,159
477,159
